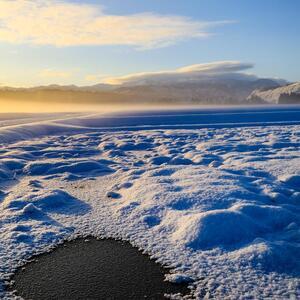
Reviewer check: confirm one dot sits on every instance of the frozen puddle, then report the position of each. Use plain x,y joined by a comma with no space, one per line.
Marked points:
93,269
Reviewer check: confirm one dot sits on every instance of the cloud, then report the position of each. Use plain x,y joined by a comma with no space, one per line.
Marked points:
94,77
61,23
188,73
50,73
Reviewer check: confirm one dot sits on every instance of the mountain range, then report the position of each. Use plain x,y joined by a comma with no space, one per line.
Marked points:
229,89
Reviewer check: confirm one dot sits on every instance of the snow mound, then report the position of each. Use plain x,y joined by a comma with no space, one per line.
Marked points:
31,209
53,201
10,167
178,278
291,180
74,167
231,227
60,202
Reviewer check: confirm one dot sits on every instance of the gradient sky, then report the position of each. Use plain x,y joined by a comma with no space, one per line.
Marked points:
42,43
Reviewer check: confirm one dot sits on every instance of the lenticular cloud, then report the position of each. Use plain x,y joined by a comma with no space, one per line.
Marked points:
185,73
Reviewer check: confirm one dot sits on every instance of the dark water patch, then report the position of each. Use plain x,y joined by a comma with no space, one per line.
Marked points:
97,269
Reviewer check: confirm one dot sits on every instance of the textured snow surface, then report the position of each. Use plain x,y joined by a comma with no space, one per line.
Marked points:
219,206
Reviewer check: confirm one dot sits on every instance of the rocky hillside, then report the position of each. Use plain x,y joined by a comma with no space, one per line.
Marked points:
289,94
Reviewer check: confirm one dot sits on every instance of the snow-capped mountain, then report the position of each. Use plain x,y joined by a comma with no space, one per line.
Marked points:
280,95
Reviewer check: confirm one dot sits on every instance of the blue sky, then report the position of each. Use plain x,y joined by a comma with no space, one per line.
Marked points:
262,32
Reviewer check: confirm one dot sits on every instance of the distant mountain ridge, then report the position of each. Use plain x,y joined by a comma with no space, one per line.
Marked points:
229,89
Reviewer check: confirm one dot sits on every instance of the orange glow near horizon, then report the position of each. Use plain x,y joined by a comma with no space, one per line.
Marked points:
15,106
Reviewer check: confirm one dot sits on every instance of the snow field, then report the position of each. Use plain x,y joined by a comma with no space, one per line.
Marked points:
219,206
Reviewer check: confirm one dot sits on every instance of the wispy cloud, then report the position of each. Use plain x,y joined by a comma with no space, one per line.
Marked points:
187,73
51,73
61,23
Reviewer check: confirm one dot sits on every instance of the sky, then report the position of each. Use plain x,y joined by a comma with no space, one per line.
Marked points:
85,42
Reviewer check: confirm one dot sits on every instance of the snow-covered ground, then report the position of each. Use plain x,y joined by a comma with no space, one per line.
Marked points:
215,194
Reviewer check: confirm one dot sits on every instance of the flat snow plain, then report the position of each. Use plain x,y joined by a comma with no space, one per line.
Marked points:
212,193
